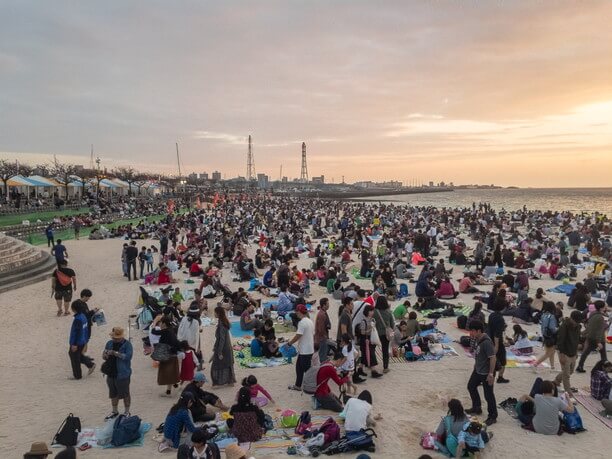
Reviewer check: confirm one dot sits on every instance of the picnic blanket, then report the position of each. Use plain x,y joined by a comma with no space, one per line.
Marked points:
237,332
245,359
281,438
563,288
447,348
355,271
513,360
88,435
459,311
594,407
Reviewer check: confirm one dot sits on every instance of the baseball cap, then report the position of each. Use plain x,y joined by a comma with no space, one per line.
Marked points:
301,308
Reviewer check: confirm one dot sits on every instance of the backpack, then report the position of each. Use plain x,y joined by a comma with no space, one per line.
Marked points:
304,424
403,291
289,418
68,431
462,322
572,422
330,429
126,430
309,383
64,279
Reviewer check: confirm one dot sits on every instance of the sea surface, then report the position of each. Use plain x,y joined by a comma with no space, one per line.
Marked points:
570,199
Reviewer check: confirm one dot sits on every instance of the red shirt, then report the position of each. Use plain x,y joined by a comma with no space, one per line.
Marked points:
326,372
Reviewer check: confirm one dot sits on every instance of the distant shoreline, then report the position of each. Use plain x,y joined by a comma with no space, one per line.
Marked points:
348,195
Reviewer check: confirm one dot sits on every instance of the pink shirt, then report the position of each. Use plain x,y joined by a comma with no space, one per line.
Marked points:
256,389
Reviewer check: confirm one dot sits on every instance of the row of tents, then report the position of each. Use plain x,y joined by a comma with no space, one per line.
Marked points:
47,186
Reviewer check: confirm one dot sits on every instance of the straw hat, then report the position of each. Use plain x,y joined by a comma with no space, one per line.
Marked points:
39,448
117,333
234,452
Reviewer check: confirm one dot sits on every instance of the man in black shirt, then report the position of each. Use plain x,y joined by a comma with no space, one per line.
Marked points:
131,254
497,326
63,281
201,399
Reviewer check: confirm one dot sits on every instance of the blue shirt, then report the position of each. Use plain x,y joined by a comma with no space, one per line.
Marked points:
79,332
124,367
475,441
58,252
256,349
174,425
285,303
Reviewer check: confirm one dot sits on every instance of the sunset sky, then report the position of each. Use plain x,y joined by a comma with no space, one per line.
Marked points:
507,92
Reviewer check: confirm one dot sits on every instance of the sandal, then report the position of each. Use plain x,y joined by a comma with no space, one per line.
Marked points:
59,313
163,446
294,387
85,447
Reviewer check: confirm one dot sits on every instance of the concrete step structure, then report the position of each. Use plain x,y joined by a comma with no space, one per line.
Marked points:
22,264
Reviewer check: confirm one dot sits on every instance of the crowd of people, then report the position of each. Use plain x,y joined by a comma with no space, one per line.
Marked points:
362,257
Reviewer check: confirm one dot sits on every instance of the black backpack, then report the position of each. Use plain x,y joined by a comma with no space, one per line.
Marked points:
68,432
462,322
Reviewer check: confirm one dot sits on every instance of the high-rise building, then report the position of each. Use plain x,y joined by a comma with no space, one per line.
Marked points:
204,176
216,176
262,181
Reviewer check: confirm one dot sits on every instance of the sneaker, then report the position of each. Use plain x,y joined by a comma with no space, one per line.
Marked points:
580,370
91,370
502,380
375,374
490,421
113,415
357,379
473,411
386,370
126,414
360,372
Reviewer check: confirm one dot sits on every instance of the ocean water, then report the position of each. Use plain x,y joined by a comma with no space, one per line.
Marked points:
570,199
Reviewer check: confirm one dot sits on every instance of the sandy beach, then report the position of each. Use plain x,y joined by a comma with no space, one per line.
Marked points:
36,394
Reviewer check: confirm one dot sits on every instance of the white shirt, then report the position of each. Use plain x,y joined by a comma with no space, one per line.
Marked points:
349,363
305,344
356,414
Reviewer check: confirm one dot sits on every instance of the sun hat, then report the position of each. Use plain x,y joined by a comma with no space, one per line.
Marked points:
234,451
38,448
194,308
117,332
301,308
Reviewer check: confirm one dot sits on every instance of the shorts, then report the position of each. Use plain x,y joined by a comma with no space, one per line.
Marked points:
65,295
471,449
118,388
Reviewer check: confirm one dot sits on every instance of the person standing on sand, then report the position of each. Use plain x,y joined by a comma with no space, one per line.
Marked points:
49,234
63,282
131,254
483,373
117,367
568,338
79,336
222,367
59,252
305,339
596,327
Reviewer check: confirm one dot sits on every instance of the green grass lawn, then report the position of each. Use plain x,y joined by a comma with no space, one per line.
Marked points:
64,235
10,220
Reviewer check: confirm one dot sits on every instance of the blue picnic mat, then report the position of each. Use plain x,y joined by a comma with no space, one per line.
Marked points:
563,288
237,332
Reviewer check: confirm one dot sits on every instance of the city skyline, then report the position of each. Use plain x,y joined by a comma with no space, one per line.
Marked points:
516,94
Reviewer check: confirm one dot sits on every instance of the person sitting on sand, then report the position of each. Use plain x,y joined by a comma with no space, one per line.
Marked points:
471,439
201,398
38,450
248,422
450,427
201,447
325,399
358,415
178,419
547,408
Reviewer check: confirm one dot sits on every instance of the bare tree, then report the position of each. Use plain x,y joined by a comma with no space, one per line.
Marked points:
8,170
141,180
43,170
64,174
83,178
128,175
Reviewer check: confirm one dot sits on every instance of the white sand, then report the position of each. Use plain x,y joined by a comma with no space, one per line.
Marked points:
36,395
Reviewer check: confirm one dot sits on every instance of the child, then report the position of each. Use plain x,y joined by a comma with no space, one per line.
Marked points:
177,296
189,362
251,383
257,344
150,261
470,439
399,313
348,367
271,347
520,342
